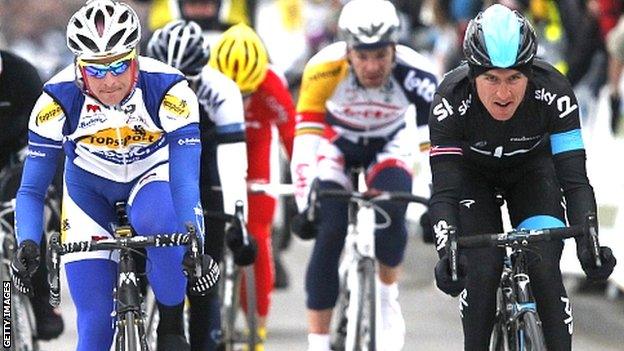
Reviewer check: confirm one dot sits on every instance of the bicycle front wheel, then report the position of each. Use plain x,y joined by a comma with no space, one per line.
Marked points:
366,337
129,337
530,333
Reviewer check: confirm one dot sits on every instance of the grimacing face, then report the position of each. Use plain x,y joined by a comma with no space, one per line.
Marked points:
110,89
372,67
501,91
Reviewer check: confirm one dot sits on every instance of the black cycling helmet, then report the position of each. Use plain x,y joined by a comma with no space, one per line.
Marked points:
180,44
499,38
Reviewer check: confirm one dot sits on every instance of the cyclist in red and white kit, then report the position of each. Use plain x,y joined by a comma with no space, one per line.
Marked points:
240,54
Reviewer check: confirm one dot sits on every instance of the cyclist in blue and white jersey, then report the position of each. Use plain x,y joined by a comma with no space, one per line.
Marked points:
129,128
223,158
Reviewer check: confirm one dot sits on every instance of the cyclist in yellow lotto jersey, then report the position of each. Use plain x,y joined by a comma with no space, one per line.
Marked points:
353,109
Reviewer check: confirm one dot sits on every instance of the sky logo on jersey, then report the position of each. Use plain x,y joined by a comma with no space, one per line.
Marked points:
114,138
50,112
177,106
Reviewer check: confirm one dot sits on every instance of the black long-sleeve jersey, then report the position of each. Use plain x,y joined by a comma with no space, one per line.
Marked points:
20,86
464,135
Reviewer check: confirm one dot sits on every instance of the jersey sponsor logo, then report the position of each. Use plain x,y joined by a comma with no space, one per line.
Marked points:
568,311
93,108
209,98
463,302
132,155
564,103
114,138
326,74
467,202
441,234
35,153
424,87
465,105
50,112
89,121
442,110
188,141
129,109
544,95
177,106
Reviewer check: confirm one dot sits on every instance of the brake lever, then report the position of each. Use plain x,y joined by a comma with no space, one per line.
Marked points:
592,231
54,270
195,250
452,250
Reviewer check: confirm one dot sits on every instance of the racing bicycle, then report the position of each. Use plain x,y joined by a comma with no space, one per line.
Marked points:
230,287
355,321
129,312
517,325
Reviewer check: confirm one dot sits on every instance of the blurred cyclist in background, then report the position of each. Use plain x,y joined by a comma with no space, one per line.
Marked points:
353,111
223,158
240,54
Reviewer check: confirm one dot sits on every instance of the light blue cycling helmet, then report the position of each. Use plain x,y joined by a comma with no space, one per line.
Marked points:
499,38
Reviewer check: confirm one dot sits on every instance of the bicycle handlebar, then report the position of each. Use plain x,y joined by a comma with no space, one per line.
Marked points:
56,249
522,238
370,197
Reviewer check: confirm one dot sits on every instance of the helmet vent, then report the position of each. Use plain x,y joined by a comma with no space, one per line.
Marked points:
99,23
87,42
114,39
123,17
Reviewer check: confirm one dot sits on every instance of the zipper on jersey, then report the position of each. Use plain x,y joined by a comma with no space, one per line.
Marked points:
121,146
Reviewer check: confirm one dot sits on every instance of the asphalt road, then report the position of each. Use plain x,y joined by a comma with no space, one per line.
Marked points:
432,318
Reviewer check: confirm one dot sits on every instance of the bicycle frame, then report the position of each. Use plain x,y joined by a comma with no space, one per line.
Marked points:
516,309
230,288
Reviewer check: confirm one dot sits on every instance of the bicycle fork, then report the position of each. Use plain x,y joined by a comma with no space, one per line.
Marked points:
127,313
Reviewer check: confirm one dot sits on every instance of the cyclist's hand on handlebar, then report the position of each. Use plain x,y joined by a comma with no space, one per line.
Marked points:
23,266
443,277
208,276
589,265
244,254
302,227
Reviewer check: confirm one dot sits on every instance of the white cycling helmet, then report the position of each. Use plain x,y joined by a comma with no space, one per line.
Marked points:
103,28
369,23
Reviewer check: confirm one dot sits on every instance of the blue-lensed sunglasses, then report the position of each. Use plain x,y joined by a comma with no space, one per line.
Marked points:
116,68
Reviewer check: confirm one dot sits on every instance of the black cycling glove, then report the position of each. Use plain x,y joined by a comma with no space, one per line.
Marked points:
443,277
302,227
24,265
425,223
207,277
614,104
244,254
589,266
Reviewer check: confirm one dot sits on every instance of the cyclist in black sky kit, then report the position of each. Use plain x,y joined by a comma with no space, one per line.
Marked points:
508,122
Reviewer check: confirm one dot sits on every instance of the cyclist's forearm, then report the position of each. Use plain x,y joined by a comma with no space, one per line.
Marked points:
232,165
184,157
444,203
303,166
579,194
39,170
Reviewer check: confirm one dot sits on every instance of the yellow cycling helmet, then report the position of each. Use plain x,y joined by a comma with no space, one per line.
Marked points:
240,55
